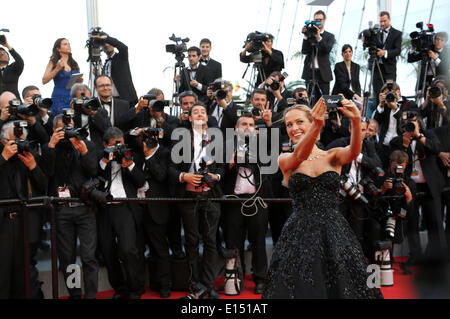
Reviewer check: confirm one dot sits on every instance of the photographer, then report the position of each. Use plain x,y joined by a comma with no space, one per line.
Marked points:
156,215
199,179
119,111
244,180
388,48
434,108
317,47
388,115
387,211
19,171
89,114
272,59
10,73
423,147
437,56
120,234
300,96
198,75
359,170
276,91
45,116
336,127
214,66
117,67
35,129
221,106
71,162
154,116
187,100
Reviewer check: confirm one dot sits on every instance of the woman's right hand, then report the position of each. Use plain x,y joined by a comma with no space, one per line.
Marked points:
318,112
60,65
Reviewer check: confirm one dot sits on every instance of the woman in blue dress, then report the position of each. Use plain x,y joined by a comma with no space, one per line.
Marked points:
60,68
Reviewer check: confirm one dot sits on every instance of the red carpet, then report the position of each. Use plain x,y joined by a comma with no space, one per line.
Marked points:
403,288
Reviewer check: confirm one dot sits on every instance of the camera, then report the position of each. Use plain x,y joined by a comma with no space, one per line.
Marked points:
397,180
408,124
95,45
91,190
84,104
347,188
370,38
301,100
390,96
423,41
254,111
218,89
256,38
40,102
435,92
70,132
2,36
118,152
205,164
22,144
312,29
16,107
156,105
178,48
150,136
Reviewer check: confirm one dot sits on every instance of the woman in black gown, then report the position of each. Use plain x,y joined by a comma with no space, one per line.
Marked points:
317,254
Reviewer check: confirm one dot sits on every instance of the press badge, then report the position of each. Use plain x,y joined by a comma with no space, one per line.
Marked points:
63,192
414,172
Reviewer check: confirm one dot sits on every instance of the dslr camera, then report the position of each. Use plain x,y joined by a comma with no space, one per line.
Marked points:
118,152
390,96
253,111
2,36
69,132
40,102
92,190
423,41
151,136
218,87
84,104
204,169
348,188
16,107
408,124
22,144
156,105
435,91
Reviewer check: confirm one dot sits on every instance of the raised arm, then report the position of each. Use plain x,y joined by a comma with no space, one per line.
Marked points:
347,154
290,161
50,73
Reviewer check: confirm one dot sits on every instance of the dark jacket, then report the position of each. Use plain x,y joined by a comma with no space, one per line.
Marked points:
203,76
323,56
274,63
229,116
393,45
98,124
120,72
342,83
214,67
10,78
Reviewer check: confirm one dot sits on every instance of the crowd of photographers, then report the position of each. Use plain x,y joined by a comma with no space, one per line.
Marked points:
109,145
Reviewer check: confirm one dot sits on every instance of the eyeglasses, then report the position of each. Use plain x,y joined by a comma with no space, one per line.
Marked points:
104,86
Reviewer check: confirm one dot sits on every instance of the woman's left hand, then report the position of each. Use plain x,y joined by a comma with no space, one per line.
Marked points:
350,110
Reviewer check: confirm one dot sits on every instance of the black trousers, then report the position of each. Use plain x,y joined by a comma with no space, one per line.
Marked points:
446,203
431,209
121,244
159,248
239,226
174,228
321,88
200,220
12,268
73,222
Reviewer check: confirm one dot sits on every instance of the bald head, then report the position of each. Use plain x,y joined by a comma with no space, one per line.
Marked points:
5,97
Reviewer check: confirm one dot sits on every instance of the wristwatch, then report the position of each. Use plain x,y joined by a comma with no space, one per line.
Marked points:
420,136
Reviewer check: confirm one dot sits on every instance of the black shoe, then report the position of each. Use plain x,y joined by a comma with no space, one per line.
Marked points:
164,293
213,294
259,288
178,254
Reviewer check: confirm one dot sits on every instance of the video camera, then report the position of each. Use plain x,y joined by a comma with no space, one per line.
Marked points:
95,45
256,38
16,107
204,169
92,190
118,152
370,38
70,132
178,48
423,41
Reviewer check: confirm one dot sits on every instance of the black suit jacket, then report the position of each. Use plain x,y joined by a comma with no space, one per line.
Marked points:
281,104
433,114
229,116
176,169
203,75
123,114
443,135
155,170
10,78
120,72
393,45
323,56
444,56
98,124
342,83
214,67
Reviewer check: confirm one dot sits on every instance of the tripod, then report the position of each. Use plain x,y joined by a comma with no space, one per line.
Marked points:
373,60
421,84
181,68
257,71
313,83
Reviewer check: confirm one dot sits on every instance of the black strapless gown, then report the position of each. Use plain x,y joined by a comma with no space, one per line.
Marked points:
317,254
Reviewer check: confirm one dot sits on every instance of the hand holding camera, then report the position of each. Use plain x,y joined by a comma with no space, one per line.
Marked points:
79,145
57,136
9,150
193,179
28,159
5,114
266,48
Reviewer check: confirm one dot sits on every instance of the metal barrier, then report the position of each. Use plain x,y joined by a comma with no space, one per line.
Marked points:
48,202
